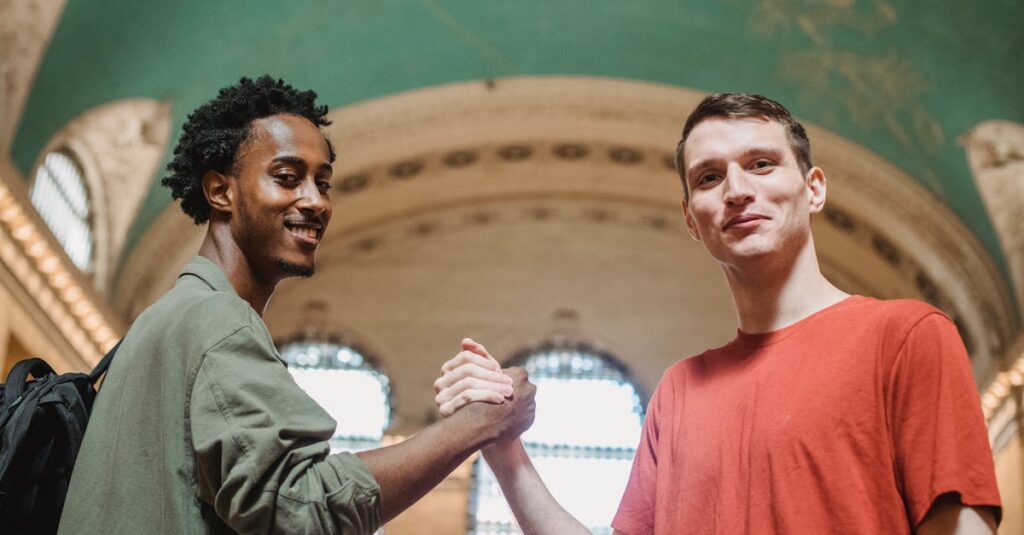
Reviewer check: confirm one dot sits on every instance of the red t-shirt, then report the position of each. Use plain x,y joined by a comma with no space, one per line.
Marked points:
852,420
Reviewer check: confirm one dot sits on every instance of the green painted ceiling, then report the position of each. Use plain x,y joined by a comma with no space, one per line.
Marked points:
905,78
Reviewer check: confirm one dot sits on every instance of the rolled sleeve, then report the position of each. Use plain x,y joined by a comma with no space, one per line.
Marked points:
261,452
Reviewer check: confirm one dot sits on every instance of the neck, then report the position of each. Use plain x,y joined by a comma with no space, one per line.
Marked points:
773,293
221,249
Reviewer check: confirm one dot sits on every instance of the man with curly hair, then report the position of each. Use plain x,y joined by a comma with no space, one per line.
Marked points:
199,428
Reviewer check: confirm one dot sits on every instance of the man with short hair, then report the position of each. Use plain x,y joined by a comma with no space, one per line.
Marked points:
199,427
828,413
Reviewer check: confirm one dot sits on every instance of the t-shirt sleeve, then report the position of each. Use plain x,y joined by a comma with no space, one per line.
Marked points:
636,510
261,451
939,435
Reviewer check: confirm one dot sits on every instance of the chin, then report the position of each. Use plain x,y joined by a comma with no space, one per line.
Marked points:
744,253
292,269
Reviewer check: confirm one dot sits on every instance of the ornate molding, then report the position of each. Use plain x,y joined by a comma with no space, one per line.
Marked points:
950,263
995,151
1003,401
119,145
39,264
154,263
25,30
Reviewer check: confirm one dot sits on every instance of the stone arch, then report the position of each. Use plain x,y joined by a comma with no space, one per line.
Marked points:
995,151
119,146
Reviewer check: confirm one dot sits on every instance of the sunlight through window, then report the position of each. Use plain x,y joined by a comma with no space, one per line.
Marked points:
584,437
59,195
350,388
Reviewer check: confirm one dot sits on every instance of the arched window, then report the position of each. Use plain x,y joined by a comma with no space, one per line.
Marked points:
60,196
344,381
584,437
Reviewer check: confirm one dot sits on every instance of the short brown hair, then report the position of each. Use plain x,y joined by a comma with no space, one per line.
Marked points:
743,106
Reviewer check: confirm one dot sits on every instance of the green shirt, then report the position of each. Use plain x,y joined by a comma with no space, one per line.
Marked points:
199,428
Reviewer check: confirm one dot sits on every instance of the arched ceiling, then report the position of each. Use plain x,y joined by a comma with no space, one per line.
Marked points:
904,79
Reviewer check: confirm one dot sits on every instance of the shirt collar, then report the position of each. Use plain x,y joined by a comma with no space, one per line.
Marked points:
205,270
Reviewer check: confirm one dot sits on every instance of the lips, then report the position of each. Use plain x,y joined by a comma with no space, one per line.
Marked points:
743,220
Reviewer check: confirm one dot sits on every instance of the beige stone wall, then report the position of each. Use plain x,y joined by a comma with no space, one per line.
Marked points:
442,512
1010,473
25,30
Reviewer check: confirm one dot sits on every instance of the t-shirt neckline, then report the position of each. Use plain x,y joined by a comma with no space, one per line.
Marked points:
772,337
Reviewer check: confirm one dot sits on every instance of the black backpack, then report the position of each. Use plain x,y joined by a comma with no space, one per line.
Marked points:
42,424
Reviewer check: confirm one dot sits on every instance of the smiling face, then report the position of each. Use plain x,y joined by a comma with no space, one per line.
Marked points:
281,205
748,197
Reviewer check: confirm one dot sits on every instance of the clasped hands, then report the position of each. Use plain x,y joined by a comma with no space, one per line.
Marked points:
474,375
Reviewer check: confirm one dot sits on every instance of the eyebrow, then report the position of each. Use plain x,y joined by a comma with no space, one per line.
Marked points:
707,162
295,160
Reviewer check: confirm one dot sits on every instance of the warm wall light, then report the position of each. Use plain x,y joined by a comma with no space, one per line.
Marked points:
48,264
59,281
1002,389
71,294
36,250
47,276
23,231
9,210
81,308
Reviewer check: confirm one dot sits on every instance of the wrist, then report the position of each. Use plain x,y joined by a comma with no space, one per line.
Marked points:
505,455
470,421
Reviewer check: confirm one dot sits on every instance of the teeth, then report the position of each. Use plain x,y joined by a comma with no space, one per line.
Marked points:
304,232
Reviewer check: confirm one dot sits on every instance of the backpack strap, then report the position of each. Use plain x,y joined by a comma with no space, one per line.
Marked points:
15,386
104,363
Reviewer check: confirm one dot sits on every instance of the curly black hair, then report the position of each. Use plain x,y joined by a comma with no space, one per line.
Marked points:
213,132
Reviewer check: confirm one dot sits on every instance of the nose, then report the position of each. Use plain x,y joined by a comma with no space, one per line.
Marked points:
737,188
312,200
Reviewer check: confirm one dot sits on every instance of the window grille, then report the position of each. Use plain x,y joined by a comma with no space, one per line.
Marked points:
59,195
347,385
582,442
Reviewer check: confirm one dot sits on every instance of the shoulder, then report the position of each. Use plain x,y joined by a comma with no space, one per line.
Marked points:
674,378
913,336
897,309
195,312
893,317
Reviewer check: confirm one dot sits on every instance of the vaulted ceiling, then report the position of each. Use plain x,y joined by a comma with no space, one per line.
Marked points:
904,79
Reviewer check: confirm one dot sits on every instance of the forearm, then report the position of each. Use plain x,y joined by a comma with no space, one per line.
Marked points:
410,469
536,510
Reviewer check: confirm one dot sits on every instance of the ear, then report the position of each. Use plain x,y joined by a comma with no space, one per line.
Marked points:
219,191
816,186
691,225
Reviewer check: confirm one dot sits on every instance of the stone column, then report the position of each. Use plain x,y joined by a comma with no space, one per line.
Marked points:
995,150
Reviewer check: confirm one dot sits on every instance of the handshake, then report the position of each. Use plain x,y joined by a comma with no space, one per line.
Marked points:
506,411
473,375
